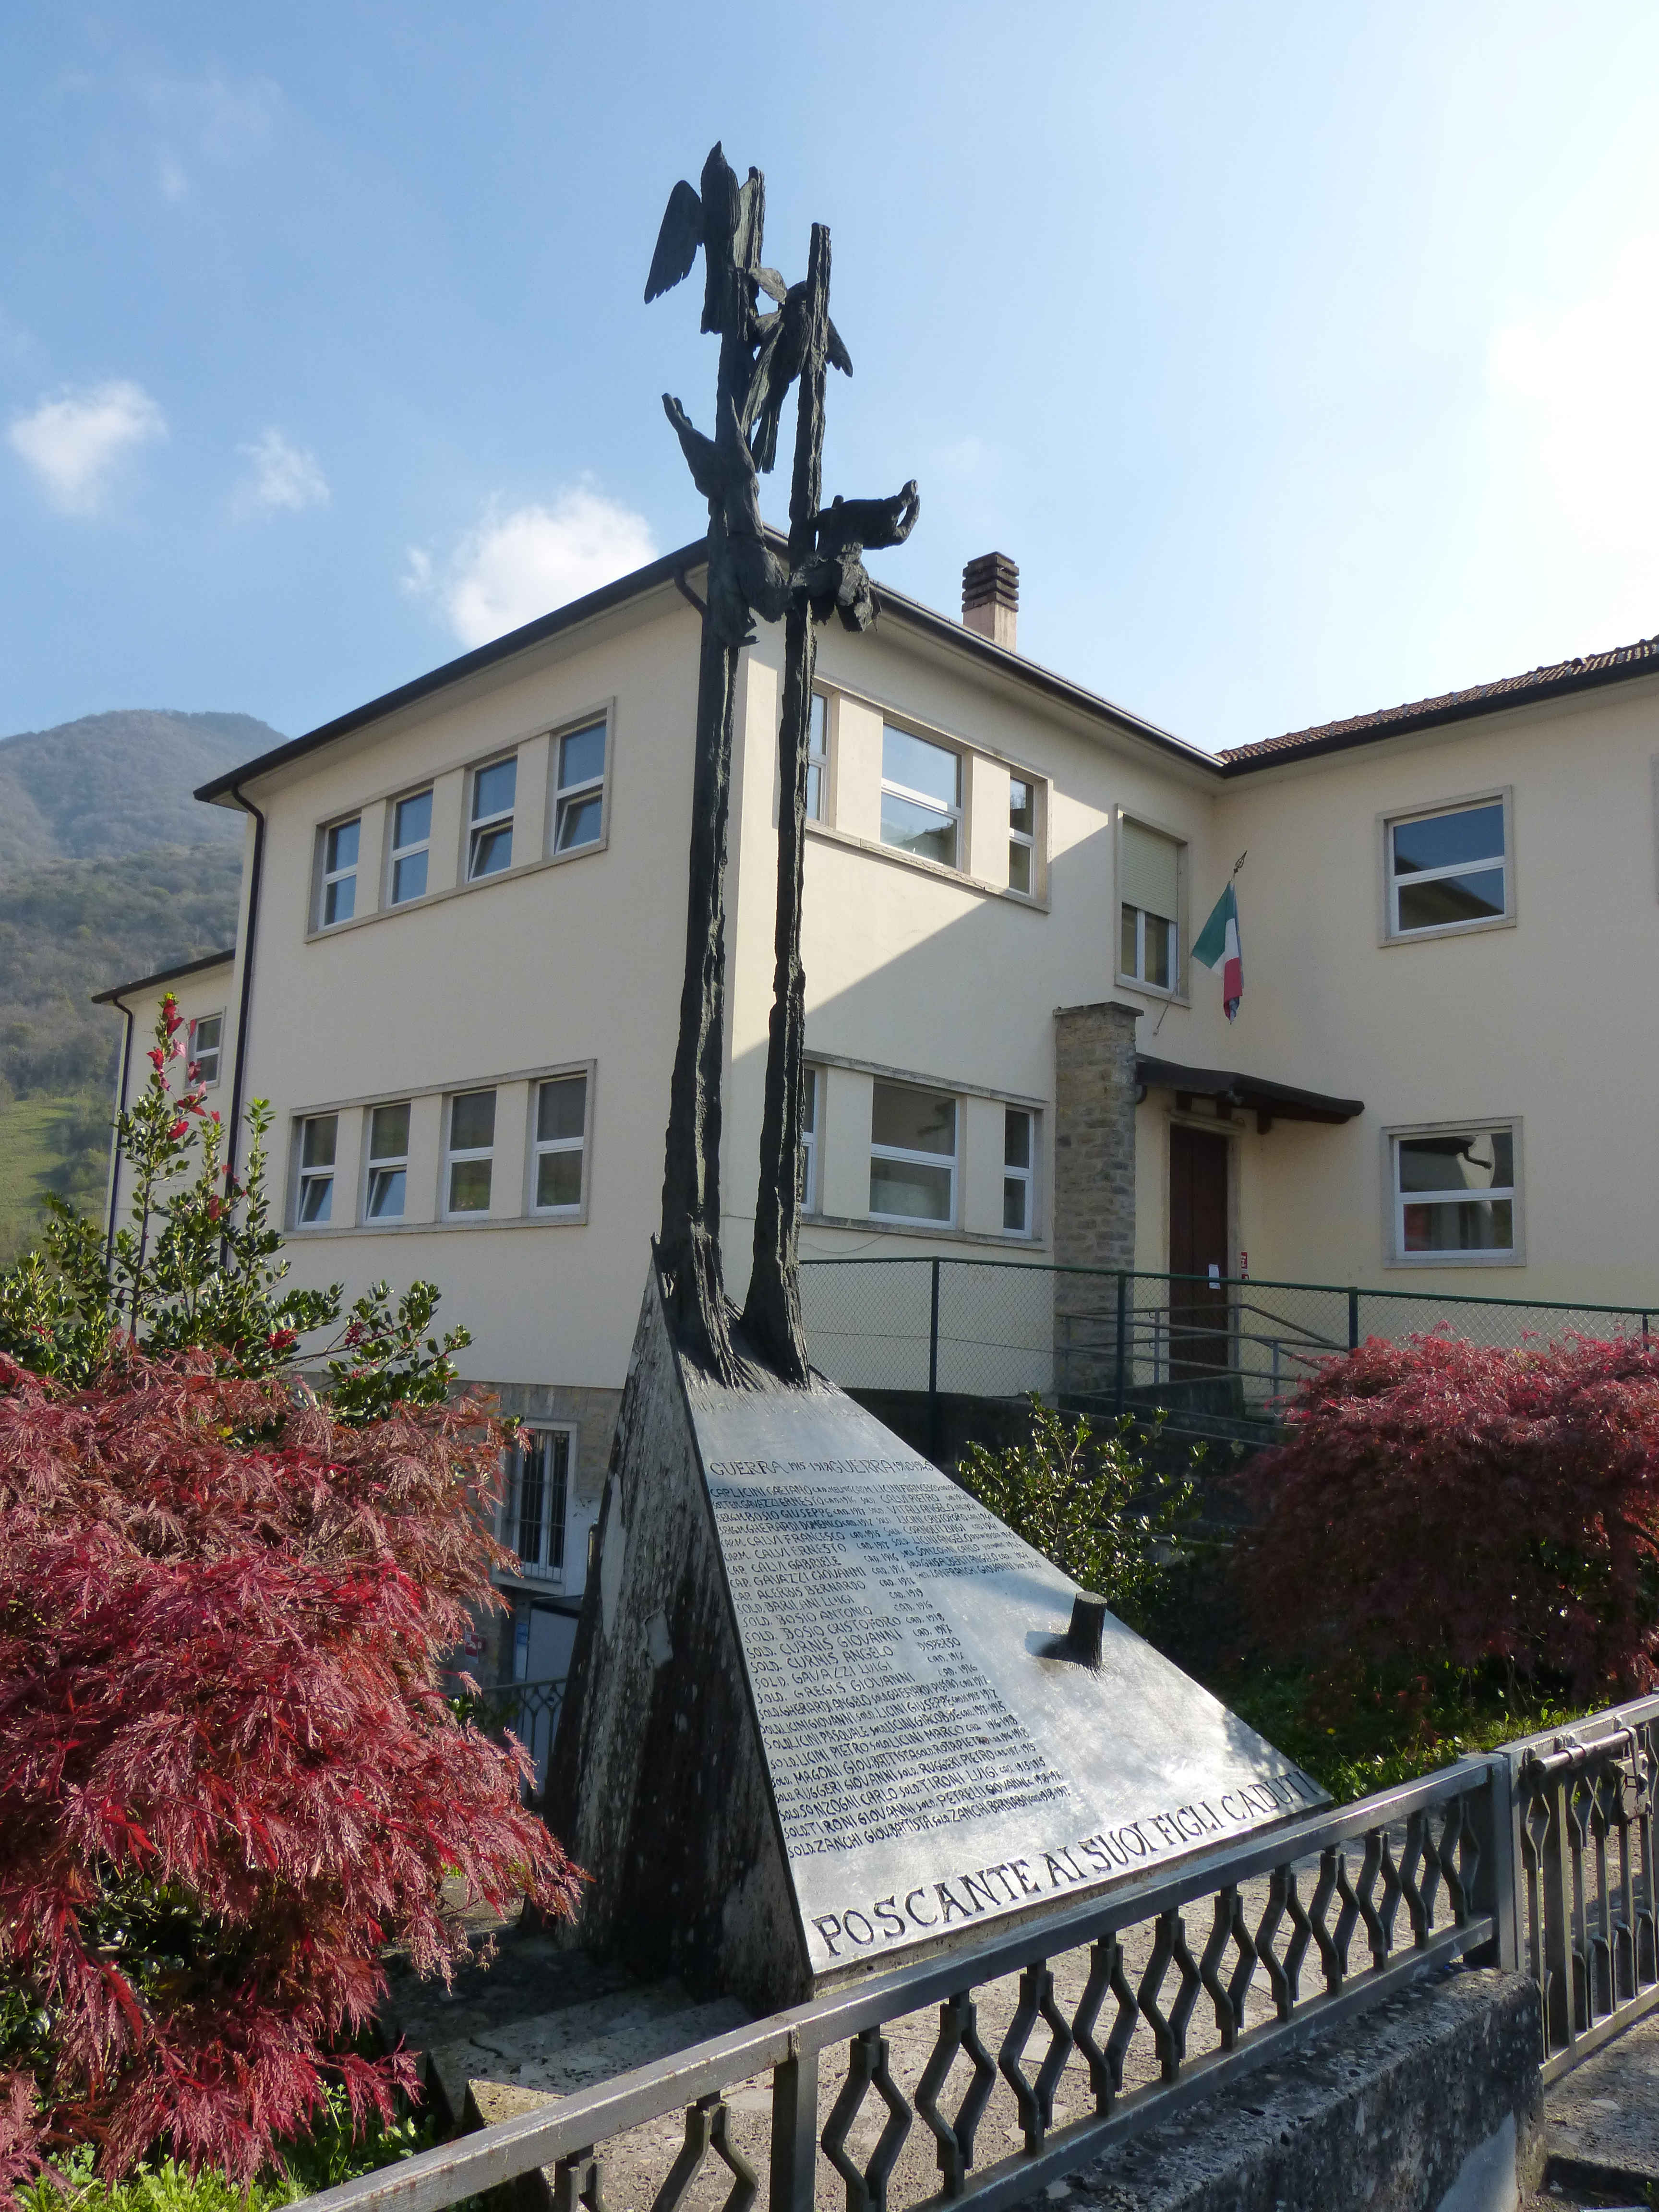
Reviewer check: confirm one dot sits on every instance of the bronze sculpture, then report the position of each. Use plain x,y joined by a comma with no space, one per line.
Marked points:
761,355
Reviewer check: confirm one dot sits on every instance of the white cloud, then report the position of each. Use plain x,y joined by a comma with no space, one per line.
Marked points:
284,476
1585,376
522,561
74,442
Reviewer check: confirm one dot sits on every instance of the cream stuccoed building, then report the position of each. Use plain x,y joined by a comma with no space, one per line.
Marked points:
458,967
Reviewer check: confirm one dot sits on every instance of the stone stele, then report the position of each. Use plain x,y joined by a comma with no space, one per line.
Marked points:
821,1712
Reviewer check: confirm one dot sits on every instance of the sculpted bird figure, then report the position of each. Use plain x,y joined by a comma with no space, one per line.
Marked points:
783,339
727,219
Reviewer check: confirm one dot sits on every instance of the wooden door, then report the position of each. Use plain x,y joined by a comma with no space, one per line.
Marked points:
1198,1243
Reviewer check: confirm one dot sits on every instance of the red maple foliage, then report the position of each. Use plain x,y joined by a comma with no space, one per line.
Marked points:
228,1774
1440,1500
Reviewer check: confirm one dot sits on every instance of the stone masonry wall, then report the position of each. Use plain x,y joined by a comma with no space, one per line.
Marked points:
1094,1181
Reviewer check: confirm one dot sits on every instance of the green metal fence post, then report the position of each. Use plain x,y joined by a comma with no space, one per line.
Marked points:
1353,1319
934,1439
1121,1389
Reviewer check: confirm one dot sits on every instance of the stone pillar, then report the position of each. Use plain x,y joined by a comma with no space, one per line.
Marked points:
1094,1186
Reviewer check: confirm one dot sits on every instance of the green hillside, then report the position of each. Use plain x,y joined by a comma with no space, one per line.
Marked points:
109,869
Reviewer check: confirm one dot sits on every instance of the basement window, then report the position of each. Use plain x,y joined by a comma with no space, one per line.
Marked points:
1457,1194
913,1155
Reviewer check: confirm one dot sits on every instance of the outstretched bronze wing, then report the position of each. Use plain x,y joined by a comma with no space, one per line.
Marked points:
676,242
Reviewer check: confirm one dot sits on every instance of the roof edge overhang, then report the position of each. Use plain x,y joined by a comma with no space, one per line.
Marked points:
1282,1102
118,991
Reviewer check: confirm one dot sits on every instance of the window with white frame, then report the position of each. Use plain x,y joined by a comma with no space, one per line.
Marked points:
1456,1194
412,846
913,1154
560,1142
1022,835
579,802
1447,870
1018,1170
920,796
386,1189
337,892
469,1152
810,1086
314,1198
1149,907
490,837
818,758
206,1041
536,1506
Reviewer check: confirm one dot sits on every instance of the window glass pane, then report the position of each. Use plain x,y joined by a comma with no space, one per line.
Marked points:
1160,936
814,793
809,1100
581,756
316,1197
385,1194
1471,1225
1014,1190
1444,899
493,788
559,1179
1445,841
414,822
1016,1140
317,1143
816,734
1482,1160
933,770
469,1186
532,1503
915,828
343,846
492,850
409,878
207,1034
914,1121
1128,957
388,1132
1022,808
917,1193
580,822
561,1108
1019,867
339,900
472,1121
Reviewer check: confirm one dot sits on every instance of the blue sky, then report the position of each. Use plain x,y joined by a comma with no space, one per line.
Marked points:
1303,357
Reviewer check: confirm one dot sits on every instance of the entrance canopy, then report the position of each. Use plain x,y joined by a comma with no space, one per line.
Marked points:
1270,1102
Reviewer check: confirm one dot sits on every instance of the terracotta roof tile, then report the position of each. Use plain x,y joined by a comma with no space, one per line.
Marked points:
1564,675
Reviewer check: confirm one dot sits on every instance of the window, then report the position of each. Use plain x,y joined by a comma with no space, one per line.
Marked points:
913,1154
470,1153
579,810
1447,870
490,843
1149,895
411,844
206,1032
809,1140
1455,1193
818,757
315,1200
537,1495
339,896
561,1135
388,1163
1022,835
920,796
1019,1159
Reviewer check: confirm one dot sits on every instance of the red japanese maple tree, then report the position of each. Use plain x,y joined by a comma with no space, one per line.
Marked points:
1440,1500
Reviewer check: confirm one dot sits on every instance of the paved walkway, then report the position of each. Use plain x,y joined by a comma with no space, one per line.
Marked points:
1603,2121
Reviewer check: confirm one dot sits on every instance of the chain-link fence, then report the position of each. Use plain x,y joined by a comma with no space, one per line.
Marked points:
1218,1354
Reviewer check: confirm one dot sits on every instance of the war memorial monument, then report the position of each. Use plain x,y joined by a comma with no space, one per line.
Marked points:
825,1709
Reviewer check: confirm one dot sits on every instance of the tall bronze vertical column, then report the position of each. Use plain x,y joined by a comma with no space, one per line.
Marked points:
771,1313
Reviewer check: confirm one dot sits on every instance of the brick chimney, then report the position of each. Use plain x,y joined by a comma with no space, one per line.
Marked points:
990,597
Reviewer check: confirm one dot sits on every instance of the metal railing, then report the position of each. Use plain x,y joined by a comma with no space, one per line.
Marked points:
1214,1352
529,1711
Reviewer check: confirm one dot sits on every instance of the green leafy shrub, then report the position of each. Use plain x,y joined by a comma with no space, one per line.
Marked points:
1087,1500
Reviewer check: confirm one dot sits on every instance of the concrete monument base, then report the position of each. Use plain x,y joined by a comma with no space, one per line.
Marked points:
825,1711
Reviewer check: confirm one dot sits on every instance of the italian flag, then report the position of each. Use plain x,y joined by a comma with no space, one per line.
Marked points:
1218,946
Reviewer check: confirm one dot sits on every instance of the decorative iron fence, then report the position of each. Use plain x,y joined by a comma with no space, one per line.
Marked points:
529,1711
1212,1351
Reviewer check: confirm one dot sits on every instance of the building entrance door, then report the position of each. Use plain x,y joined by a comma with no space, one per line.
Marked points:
1198,1246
